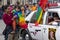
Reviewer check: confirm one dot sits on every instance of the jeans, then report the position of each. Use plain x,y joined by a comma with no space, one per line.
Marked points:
17,29
7,31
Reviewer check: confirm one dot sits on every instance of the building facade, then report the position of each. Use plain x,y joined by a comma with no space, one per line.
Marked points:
4,2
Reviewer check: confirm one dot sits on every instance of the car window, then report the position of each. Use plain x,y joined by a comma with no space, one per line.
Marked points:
53,18
33,19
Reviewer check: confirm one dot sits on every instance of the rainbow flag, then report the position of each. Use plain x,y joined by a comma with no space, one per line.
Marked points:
22,22
38,15
43,3
40,11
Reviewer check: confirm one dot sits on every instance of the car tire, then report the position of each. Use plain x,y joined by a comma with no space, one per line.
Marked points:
26,36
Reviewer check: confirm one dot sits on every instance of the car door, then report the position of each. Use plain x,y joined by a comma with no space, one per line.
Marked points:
36,32
49,30
42,32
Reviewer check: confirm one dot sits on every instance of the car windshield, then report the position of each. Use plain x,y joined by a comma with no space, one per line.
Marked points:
35,18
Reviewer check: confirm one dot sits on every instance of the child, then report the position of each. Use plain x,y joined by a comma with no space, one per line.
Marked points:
20,17
15,22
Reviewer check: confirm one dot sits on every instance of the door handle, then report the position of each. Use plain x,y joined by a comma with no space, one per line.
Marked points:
37,30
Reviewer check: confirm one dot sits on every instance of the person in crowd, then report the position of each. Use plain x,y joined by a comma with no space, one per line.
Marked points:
55,3
1,11
34,7
23,10
29,7
26,5
7,18
55,20
17,3
27,11
14,10
20,13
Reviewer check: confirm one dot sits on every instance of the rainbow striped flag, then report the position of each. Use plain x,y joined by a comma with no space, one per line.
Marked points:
38,15
40,11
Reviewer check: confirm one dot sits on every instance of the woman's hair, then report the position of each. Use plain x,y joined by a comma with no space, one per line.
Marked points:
5,7
34,4
18,7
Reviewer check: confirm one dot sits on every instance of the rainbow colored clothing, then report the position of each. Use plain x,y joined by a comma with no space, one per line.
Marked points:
21,19
18,13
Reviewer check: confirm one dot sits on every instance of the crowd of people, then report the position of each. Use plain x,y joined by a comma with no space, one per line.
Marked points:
11,12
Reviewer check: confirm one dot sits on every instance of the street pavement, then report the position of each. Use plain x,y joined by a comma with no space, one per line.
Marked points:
2,27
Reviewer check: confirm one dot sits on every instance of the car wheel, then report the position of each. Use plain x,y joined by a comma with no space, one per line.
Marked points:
26,36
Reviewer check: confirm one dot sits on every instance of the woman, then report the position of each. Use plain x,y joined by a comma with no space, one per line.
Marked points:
7,18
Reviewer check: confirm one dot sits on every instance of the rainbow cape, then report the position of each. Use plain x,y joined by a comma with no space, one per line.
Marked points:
22,22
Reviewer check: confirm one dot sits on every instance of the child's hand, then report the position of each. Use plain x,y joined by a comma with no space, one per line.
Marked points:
14,17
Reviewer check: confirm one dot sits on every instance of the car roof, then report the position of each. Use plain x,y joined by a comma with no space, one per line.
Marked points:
55,9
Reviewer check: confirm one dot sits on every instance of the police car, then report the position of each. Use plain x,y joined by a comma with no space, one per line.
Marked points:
47,30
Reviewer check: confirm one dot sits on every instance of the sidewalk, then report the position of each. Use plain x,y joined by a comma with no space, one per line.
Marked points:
2,26
1,37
